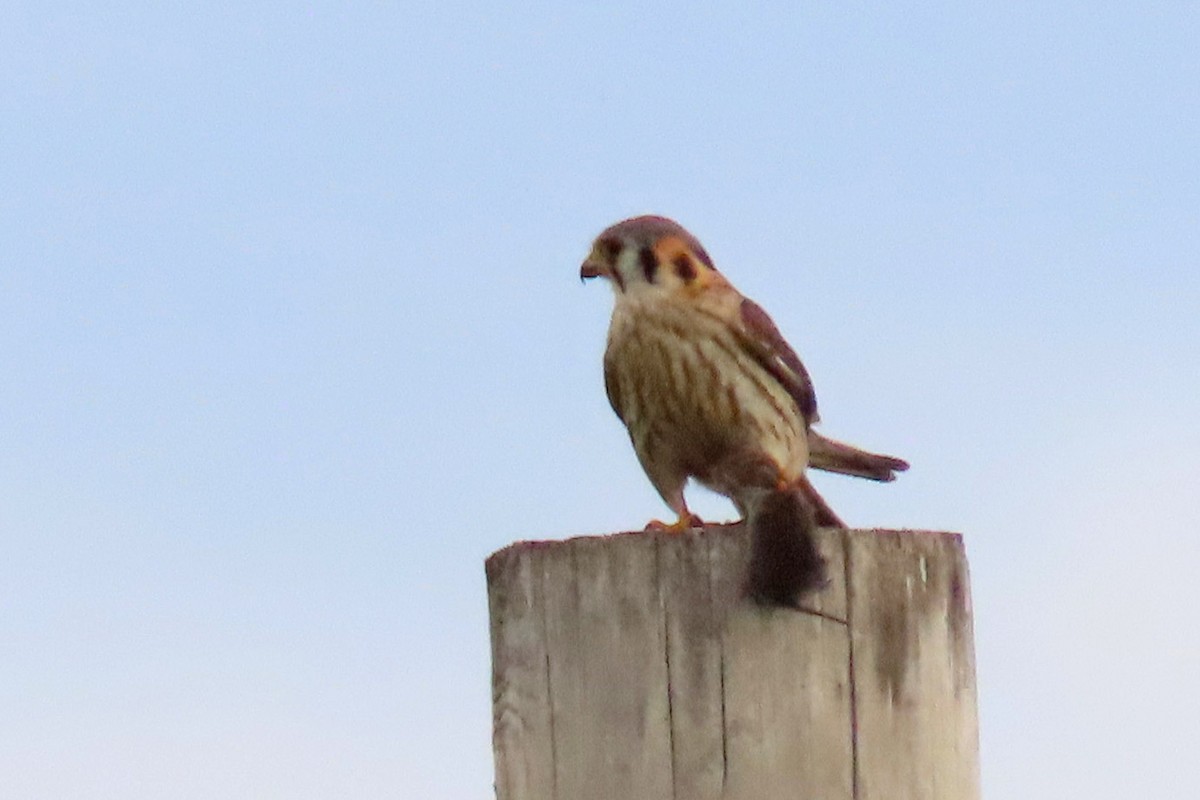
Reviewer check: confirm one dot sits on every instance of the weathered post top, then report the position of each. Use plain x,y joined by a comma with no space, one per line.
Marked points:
629,667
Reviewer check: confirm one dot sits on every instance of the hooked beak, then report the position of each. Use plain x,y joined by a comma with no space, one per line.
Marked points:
592,269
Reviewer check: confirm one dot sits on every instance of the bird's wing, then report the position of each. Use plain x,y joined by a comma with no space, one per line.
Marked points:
611,387
764,341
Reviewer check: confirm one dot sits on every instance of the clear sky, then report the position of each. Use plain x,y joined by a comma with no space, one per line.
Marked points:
292,338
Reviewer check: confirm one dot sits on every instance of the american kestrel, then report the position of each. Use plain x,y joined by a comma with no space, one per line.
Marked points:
709,389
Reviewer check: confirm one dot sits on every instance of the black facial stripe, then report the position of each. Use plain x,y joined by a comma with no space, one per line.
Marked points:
649,263
684,268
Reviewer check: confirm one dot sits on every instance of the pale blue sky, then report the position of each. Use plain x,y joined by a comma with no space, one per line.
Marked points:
292,337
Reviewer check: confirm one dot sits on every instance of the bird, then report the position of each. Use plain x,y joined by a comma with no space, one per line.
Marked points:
709,390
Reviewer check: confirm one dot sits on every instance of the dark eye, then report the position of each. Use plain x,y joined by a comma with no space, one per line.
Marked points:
609,249
684,267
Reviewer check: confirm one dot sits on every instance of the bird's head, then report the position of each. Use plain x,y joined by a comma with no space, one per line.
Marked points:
650,254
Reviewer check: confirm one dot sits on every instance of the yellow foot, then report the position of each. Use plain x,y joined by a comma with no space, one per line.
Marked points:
686,521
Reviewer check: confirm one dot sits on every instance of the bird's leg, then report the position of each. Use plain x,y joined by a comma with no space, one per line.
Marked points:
687,520
672,494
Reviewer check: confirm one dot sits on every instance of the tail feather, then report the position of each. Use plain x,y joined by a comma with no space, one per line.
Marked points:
784,561
831,455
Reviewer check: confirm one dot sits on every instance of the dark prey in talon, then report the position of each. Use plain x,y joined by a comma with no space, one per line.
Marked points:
709,389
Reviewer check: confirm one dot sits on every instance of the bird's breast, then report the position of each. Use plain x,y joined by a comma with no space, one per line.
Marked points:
689,390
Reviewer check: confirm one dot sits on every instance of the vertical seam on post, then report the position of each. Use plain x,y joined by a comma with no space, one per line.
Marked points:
712,599
854,778
666,630
549,681
724,727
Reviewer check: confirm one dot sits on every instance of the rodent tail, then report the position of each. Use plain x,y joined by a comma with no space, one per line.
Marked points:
784,561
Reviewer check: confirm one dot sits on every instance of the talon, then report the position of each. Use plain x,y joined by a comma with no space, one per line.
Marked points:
686,521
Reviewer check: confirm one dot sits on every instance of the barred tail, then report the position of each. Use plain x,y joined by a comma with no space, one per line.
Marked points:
784,562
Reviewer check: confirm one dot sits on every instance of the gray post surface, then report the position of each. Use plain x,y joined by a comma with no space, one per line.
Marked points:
629,667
